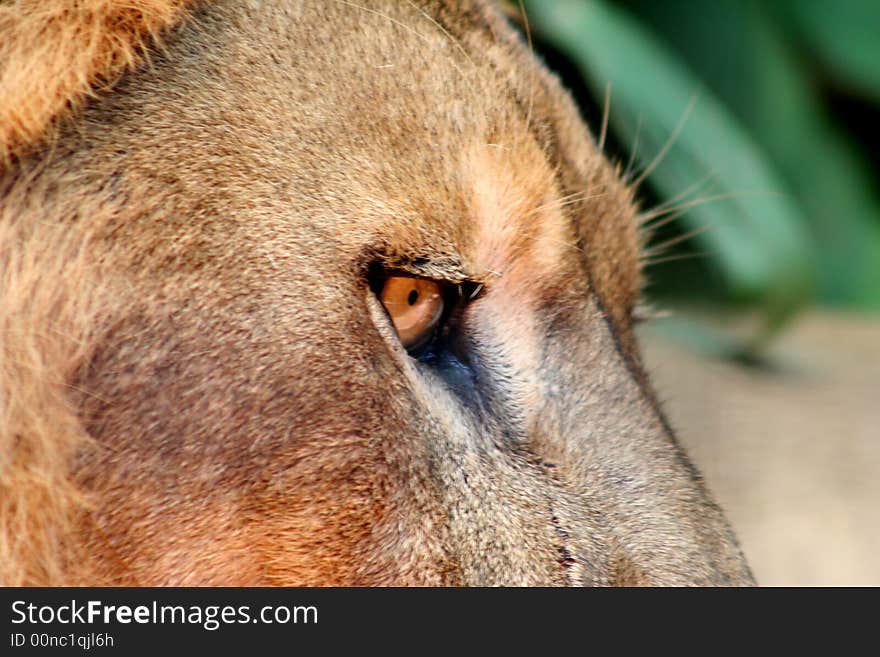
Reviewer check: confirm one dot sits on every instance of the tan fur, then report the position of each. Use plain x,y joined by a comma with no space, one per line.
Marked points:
198,384
55,53
45,333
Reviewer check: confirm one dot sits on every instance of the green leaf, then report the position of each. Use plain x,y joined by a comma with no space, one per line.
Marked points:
845,36
833,183
743,50
756,237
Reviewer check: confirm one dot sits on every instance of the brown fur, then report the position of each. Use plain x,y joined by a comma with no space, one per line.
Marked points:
45,333
55,53
199,387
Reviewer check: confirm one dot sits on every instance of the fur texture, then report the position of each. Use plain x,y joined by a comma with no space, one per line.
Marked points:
199,385
53,55
56,53
47,302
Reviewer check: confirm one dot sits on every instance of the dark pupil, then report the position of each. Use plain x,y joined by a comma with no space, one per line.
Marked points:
413,297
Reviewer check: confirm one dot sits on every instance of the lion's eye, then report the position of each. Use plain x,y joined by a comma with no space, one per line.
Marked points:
415,306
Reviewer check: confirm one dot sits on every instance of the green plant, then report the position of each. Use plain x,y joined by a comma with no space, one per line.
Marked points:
738,103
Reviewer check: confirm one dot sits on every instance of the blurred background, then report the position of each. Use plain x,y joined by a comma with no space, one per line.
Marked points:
751,129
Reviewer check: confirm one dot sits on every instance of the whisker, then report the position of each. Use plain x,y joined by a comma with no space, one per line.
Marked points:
662,247
566,244
647,217
606,112
663,221
633,155
568,199
670,202
406,27
528,30
673,136
442,29
85,392
652,262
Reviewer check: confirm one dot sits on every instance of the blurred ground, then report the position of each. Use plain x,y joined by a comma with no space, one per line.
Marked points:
792,452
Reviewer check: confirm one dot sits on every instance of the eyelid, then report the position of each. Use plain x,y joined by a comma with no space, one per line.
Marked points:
446,270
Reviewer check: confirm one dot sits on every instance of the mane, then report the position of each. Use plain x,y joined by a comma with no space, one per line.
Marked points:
45,306
54,54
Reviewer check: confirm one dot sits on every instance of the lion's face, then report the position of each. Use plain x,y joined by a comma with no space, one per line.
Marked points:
368,287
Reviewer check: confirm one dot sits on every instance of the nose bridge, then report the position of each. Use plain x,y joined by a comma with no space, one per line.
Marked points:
507,523
566,472
610,442
509,519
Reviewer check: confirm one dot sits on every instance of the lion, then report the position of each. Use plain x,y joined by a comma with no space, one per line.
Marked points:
321,293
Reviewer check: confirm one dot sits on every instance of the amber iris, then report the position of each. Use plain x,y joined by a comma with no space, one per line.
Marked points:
415,306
